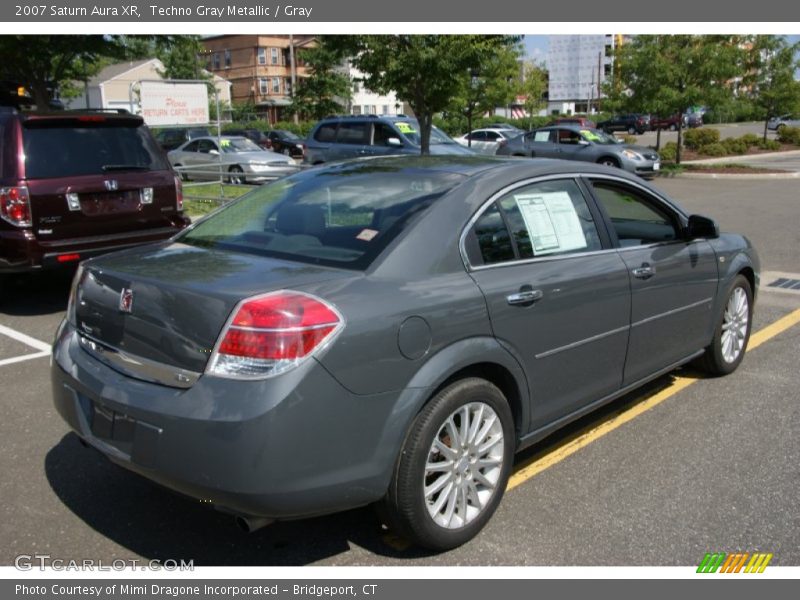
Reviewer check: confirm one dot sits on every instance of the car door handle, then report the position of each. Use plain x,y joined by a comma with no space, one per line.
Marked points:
524,297
644,272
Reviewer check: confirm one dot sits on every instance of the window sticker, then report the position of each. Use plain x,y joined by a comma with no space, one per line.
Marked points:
590,135
225,143
403,127
541,136
552,222
367,235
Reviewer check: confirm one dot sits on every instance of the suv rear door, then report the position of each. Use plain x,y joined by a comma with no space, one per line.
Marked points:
95,175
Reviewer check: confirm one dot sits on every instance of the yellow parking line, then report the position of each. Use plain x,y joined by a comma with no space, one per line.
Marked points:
539,463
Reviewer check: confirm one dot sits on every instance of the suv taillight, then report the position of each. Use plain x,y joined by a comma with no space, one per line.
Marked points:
15,206
270,334
178,193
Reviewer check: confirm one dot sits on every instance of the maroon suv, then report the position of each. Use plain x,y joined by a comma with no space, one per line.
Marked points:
76,184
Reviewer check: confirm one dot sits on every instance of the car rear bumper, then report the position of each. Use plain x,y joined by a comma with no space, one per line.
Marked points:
21,251
277,448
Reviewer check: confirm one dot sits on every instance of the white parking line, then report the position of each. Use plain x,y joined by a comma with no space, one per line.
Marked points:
25,339
42,347
16,359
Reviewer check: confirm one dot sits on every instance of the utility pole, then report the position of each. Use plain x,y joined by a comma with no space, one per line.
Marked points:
599,77
293,69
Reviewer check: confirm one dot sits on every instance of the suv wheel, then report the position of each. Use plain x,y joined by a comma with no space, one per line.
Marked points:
632,130
454,466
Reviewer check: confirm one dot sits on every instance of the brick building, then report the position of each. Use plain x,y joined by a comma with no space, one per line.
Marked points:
259,68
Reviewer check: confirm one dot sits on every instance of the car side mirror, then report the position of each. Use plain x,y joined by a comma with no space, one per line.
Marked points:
583,143
701,227
393,141
214,152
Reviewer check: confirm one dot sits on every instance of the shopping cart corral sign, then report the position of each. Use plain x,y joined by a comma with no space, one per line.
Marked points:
174,103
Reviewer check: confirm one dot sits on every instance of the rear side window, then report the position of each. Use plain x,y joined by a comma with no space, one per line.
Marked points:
353,133
543,219
63,149
342,217
326,133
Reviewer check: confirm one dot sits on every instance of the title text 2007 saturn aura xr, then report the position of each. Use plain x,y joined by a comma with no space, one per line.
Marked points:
392,330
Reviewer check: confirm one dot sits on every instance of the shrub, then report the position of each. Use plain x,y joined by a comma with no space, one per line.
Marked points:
734,146
715,149
769,145
668,151
789,135
629,139
750,139
704,136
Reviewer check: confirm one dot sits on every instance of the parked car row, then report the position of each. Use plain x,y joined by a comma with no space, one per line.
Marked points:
276,140
571,142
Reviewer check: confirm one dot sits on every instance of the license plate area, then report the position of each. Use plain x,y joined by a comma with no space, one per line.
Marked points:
110,203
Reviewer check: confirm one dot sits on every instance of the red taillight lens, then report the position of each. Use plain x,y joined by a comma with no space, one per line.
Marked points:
15,206
273,333
62,258
178,193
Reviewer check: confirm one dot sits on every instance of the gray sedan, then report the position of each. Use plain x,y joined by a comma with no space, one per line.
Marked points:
392,331
235,158
571,142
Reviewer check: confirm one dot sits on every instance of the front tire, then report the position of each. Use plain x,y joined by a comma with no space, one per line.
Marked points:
454,466
236,175
732,333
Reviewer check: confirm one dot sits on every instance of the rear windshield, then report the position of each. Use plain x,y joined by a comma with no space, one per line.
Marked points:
63,149
343,216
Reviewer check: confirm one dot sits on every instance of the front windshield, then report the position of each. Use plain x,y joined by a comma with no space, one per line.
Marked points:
599,137
235,145
411,130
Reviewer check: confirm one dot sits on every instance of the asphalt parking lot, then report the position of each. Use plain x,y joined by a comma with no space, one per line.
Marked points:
685,467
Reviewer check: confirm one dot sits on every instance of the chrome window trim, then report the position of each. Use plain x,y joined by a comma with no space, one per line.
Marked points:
530,181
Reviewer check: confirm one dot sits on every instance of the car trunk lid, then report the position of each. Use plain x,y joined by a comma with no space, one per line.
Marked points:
168,303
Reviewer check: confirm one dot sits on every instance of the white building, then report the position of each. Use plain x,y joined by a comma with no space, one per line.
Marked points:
366,102
578,67
111,87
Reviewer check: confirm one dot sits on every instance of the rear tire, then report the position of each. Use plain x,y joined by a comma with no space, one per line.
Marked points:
454,466
632,130
672,127
732,331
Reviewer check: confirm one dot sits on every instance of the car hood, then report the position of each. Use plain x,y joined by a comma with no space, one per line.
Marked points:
454,148
182,297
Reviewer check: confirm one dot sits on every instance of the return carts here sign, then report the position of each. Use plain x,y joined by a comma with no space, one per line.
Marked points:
174,103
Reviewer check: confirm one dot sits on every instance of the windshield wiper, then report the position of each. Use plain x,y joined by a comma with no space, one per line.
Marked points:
124,168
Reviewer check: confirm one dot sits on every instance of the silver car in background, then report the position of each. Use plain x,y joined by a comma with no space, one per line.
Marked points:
488,140
237,159
775,123
572,142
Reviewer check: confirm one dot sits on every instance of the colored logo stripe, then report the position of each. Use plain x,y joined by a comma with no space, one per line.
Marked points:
733,563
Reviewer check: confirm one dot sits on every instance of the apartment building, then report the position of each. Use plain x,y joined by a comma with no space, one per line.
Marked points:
578,67
261,68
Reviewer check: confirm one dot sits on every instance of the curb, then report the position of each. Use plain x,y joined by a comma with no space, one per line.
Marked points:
740,157
736,176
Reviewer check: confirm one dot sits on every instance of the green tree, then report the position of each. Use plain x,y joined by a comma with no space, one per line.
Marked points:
327,89
426,71
44,62
671,73
533,88
770,67
489,84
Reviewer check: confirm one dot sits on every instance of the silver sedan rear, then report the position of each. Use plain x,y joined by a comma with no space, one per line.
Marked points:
233,158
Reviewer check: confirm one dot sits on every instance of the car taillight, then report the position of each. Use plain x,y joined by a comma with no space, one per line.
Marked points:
15,206
178,193
270,334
